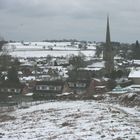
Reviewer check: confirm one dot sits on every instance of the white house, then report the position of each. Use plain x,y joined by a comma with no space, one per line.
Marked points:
135,76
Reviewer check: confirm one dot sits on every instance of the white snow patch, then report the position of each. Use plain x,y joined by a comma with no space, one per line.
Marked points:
72,120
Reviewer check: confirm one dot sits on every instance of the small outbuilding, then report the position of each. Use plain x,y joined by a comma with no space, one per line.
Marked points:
135,76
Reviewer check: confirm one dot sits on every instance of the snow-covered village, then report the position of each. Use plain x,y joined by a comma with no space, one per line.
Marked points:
70,89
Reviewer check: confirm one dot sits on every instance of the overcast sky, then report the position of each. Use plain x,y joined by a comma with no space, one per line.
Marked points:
35,20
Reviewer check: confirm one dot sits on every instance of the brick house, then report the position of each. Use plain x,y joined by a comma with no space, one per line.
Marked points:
48,89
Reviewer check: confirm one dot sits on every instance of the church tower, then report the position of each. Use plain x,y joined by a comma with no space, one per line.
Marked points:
108,55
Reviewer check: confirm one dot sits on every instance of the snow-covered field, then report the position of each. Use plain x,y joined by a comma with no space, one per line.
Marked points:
42,49
54,53
72,120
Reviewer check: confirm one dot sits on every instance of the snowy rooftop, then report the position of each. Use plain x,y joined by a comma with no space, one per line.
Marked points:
136,62
91,69
134,74
97,65
28,78
133,88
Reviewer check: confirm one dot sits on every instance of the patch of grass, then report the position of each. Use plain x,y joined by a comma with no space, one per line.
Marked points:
4,118
67,124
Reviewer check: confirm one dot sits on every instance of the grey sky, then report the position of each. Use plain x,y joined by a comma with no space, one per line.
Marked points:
35,20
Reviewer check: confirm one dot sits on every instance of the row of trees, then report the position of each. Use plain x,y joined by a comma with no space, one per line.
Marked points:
12,76
7,63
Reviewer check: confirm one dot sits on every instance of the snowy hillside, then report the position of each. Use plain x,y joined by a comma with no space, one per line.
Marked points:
52,53
71,120
42,49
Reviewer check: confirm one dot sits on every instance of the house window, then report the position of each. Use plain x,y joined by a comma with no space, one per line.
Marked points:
80,84
71,84
42,87
2,90
12,90
17,90
38,88
58,88
52,88
47,88
8,90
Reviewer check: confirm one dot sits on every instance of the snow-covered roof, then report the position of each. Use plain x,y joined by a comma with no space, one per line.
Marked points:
91,69
98,80
136,62
26,64
100,87
22,60
120,80
133,88
65,94
29,94
29,78
20,72
118,57
134,74
97,65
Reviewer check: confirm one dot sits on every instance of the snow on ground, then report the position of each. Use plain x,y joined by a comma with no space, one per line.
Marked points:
71,120
52,53
42,49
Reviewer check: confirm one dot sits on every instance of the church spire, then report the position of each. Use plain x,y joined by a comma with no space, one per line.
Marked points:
108,55
108,32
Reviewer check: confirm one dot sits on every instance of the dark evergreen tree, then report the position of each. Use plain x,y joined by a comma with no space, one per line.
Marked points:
111,84
77,61
55,63
2,77
16,62
13,75
79,75
2,42
116,74
99,50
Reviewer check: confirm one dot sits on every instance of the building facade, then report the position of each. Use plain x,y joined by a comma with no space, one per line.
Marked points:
48,89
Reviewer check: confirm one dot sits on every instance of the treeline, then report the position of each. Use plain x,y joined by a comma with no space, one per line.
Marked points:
63,40
2,42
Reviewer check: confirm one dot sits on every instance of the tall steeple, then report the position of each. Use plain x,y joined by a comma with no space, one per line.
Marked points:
108,55
108,32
